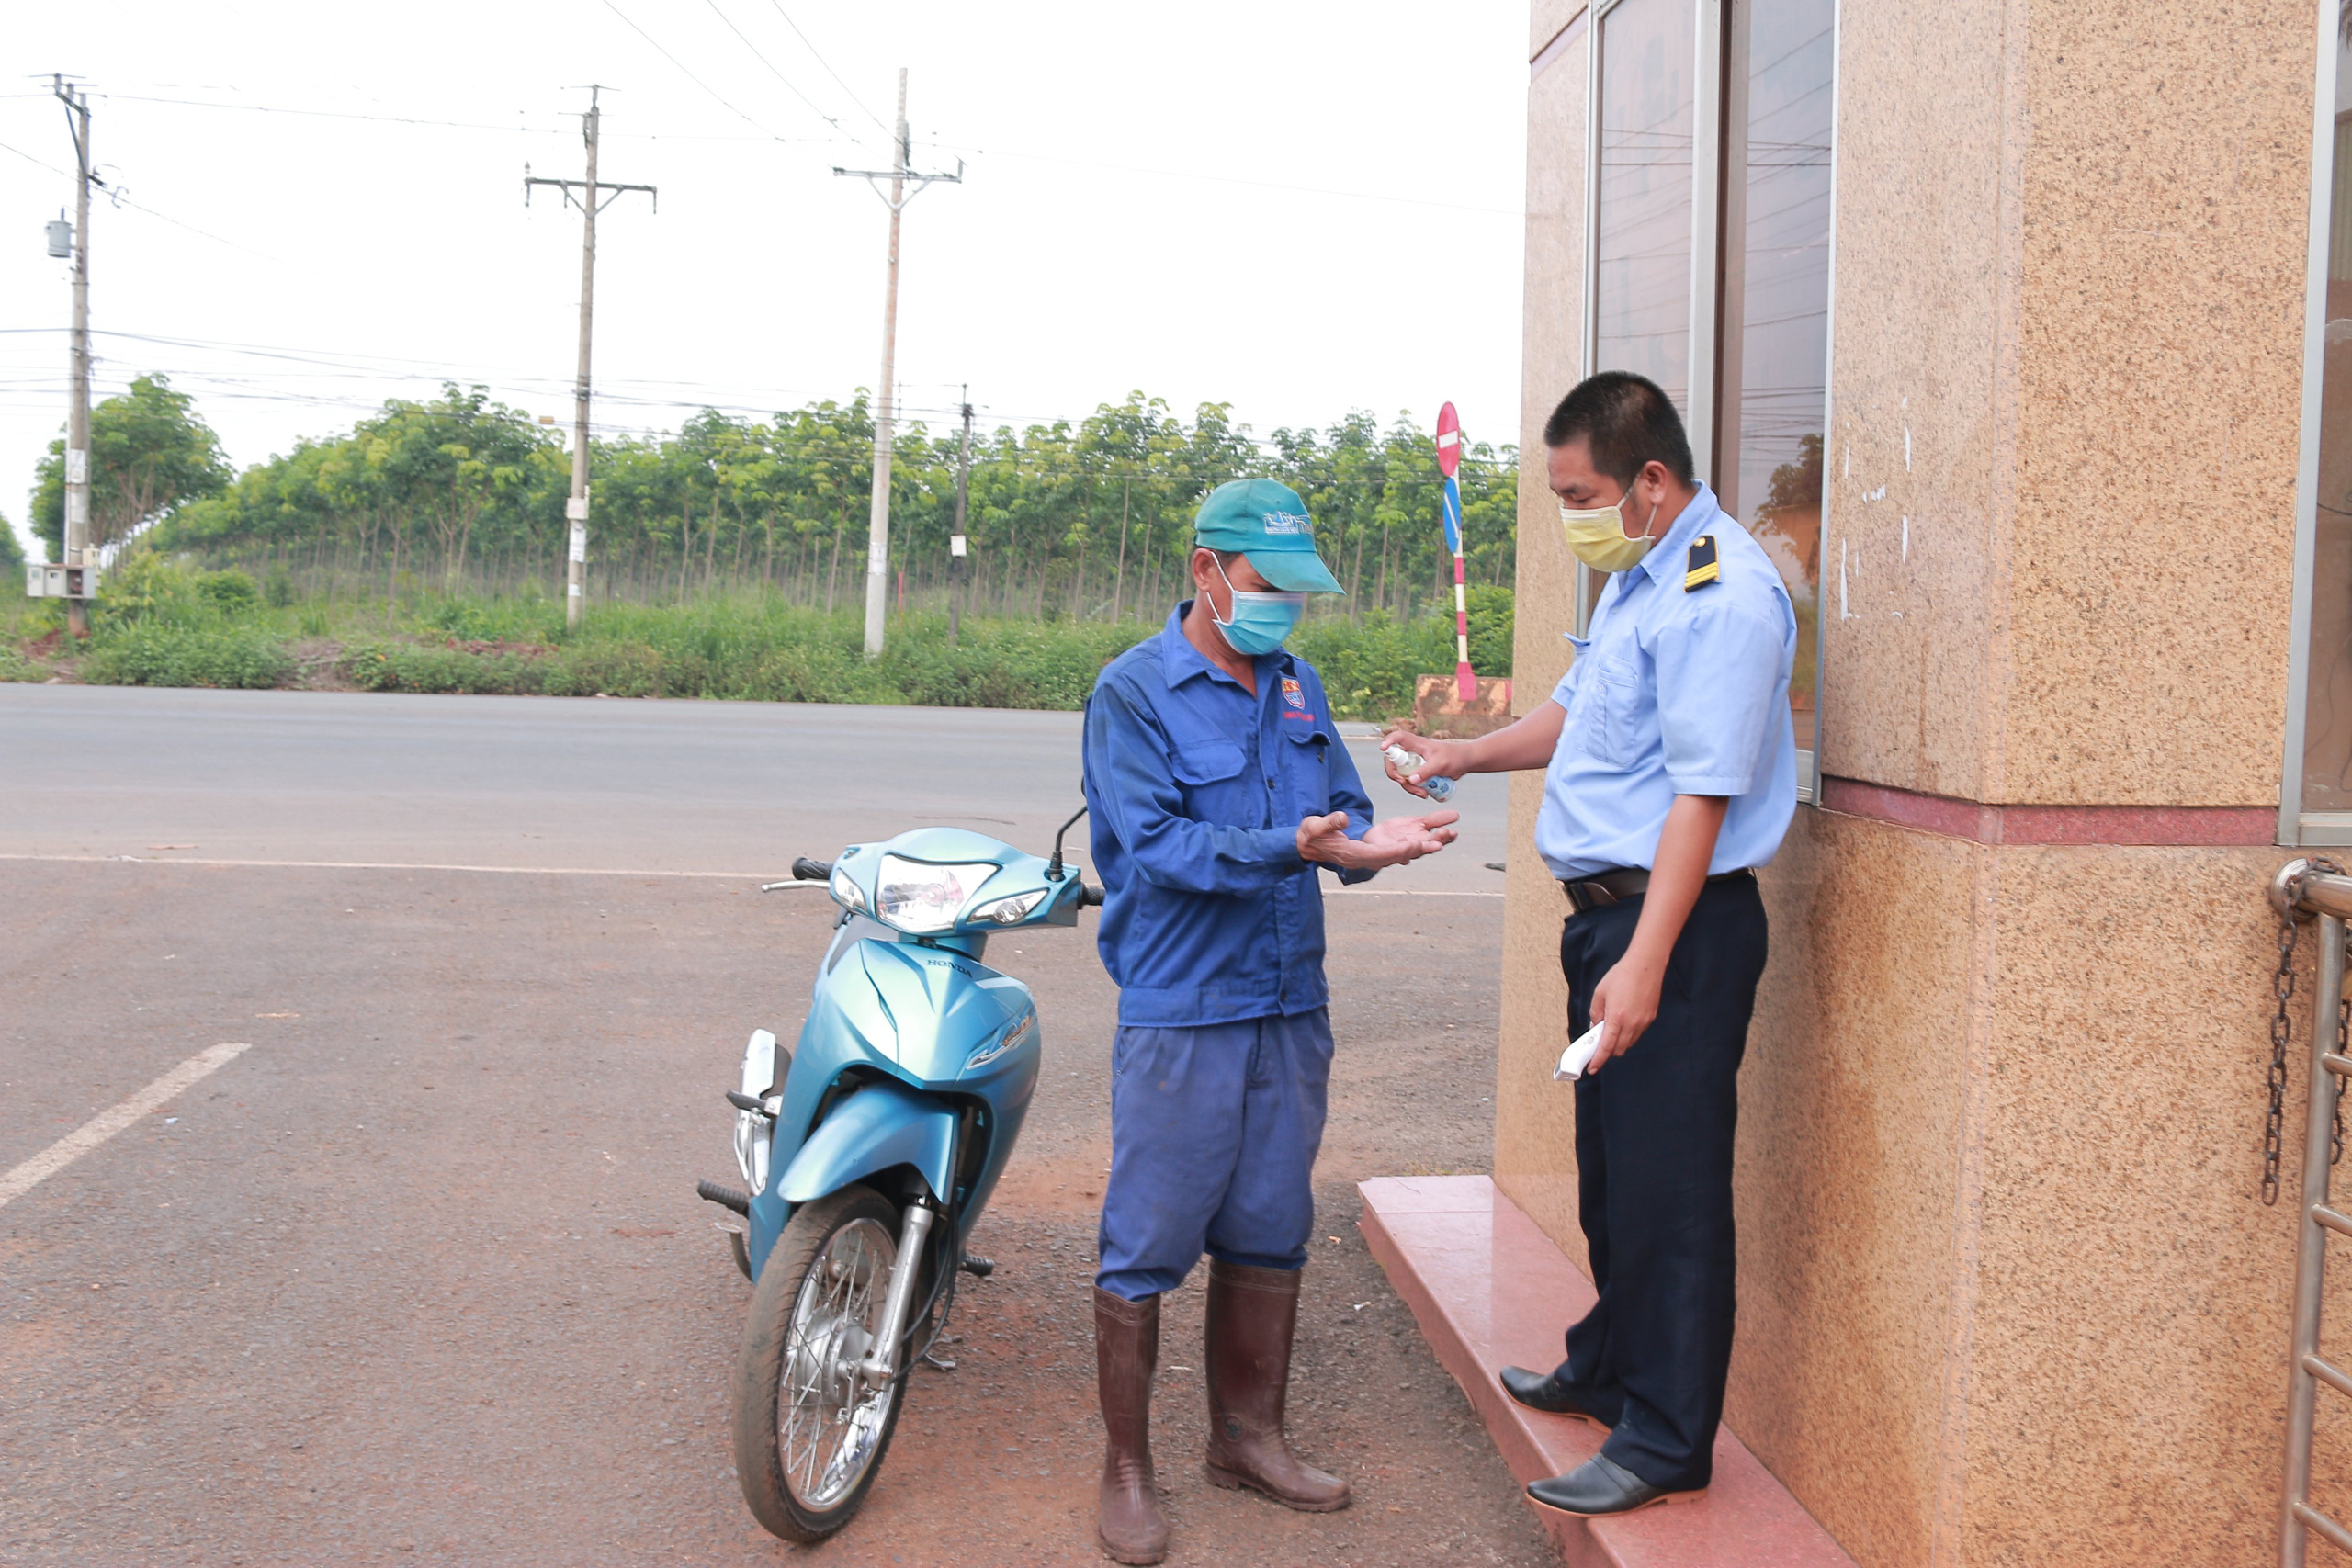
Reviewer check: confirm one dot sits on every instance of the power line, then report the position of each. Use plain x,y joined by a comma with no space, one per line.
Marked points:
689,76
744,401
119,199
829,69
763,59
440,124
767,135
332,114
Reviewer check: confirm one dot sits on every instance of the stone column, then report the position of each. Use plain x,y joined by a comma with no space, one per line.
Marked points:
2007,1292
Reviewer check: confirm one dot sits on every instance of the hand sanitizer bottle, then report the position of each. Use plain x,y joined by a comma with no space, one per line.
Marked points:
1406,761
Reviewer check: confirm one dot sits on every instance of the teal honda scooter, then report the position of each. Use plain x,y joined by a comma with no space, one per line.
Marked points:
870,1149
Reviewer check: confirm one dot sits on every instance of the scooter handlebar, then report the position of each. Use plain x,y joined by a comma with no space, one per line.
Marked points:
807,869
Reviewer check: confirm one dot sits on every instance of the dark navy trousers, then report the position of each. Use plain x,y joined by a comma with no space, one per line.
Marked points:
1653,1160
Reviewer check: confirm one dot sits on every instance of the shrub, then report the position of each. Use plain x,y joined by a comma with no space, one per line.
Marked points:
407,667
280,589
492,620
208,629
1368,667
147,586
159,654
227,593
1490,630
621,670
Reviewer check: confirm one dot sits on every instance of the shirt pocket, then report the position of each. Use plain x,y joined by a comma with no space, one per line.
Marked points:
1307,771
1610,698
1210,772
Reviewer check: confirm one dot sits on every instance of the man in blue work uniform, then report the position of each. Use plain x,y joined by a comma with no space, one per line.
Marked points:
1670,774
1216,783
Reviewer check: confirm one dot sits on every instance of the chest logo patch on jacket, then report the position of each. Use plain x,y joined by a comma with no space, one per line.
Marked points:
1294,694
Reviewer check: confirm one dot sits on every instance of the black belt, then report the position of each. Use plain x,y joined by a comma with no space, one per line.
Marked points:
1604,888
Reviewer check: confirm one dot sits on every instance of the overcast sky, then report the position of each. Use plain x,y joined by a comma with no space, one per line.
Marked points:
1302,210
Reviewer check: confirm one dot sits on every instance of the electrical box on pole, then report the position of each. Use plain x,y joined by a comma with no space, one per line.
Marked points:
955,543
75,579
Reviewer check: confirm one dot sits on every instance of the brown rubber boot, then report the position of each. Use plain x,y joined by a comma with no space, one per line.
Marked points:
1252,1313
1126,1349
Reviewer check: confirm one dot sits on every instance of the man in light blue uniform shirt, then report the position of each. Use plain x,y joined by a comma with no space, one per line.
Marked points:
1216,784
1670,774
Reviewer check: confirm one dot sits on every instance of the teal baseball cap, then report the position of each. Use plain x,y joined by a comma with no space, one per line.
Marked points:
1265,520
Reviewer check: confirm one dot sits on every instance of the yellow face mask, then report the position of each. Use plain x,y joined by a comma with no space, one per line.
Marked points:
1599,539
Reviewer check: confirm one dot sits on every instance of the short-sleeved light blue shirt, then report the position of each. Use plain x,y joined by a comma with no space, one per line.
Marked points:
1677,692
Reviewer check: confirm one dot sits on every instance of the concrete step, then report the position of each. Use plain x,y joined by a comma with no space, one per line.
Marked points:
1491,1290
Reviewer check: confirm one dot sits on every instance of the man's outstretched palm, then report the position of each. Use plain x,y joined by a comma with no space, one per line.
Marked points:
1393,842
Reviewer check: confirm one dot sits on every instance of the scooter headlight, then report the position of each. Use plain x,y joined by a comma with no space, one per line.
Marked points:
1013,910
845,891
919,897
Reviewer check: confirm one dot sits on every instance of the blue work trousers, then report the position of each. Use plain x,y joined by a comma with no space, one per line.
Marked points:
1214,1132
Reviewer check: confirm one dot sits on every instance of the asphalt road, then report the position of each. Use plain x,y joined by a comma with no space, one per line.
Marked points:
561,783
420,1274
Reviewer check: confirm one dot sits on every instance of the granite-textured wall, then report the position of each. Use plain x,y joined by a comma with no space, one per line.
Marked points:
2069,261
1533,1141
2007,1293
1851,1109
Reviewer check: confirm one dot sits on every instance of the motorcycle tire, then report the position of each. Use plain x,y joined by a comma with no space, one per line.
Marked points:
788,1375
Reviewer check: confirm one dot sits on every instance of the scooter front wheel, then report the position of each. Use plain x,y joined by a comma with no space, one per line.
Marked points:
810,1432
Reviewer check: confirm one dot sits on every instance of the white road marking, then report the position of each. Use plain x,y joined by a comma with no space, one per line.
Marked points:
107,1122
613,871
400,865
1412,893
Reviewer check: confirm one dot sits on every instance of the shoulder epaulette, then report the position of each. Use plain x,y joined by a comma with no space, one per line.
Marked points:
1701,568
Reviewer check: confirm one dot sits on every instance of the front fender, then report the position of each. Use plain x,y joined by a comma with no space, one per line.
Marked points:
881,1125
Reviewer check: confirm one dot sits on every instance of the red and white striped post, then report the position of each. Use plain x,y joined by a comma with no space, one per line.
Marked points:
1449,463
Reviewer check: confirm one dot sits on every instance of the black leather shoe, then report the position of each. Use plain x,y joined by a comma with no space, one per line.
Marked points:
1541,1390
1600,1487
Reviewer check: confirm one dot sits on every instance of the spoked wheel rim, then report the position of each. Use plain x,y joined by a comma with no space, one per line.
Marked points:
830,1424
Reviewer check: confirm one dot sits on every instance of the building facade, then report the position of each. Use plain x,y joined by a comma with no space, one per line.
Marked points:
2022,336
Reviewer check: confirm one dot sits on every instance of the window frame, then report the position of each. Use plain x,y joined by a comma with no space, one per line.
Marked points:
1707,189
2296,826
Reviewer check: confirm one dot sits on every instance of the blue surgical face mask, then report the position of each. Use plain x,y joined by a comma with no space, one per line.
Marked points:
1260,621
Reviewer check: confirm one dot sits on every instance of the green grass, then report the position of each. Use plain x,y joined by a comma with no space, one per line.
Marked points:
161,624
247,658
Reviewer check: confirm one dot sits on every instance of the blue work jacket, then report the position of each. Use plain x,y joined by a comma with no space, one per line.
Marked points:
1195,791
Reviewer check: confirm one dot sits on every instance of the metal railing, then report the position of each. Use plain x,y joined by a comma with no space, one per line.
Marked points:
2301,890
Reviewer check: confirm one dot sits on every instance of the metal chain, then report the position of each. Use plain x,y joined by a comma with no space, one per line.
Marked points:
2282,985
2342,1033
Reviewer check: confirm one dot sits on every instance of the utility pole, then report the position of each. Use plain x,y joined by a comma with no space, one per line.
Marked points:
955,541
877,533
78,584
591,200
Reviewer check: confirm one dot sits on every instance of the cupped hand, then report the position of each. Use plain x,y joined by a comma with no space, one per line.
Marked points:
1400,839
1440,759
